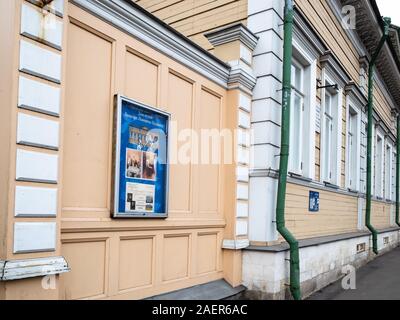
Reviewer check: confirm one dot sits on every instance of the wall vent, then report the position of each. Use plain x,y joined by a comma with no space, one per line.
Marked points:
386,241
361,247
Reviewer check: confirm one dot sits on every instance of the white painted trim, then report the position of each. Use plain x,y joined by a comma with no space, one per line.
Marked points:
35,237
242,227
339,133
37,96
381,135
126,17
40,62
38,132
22,269
310,106
357,109
242,174
230,33
241,76
45,28
57,6
237,244
36,166
388,144
35,202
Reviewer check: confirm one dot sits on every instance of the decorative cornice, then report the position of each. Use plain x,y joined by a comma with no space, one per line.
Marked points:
22,269
264,173
232,33
351,33
307,36
334,69
241,76
354,91
130,18
235,244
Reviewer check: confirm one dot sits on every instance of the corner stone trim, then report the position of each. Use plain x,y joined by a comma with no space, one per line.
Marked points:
21,269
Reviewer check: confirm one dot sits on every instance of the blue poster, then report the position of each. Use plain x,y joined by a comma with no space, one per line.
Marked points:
141,161
314,201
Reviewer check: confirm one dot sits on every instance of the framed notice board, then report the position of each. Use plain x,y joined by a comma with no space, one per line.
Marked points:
140,160
313,201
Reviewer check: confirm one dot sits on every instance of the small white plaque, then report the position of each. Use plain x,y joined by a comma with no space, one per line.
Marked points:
34,236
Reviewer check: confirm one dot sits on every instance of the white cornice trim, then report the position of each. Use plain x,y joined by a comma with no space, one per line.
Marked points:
306,36
352,33
233,33
22,269
241,76
334,69
355,93
235,244
133,21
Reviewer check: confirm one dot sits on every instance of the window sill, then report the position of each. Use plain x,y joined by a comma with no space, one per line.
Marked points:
299,177
353,191
331,185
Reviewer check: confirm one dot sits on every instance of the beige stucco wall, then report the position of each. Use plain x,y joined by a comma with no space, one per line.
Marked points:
134,258
127,259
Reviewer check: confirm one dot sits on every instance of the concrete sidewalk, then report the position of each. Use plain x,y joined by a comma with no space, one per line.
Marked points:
378,280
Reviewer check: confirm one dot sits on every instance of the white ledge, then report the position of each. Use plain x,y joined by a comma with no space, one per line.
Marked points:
241,75
22,269
235,244
231,33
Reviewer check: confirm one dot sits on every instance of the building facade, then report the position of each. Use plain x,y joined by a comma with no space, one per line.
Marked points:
208,65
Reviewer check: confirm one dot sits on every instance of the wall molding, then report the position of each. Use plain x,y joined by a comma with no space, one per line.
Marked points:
133,20
237,244
242,77
234,32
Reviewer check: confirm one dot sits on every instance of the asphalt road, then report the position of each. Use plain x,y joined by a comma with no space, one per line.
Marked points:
378,280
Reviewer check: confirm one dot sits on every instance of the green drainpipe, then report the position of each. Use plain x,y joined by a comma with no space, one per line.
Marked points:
284,157
368,224
398,173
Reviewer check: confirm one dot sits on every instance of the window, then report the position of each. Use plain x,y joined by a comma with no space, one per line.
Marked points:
296,119
388,172
328,125
331,134
353,148
302,112
394,164
379,152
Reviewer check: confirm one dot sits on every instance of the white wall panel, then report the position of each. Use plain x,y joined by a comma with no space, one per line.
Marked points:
242,210
241,227
36,166
41,26
41,62
38,96
37,131
34,236
32,201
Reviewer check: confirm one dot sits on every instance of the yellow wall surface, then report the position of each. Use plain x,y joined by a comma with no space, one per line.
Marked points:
134,258
194,18
338,213
330,31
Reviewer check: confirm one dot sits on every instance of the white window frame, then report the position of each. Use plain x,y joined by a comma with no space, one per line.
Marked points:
373,189
296,164
308,59
379,164
331,158
353,168
388,171
394,177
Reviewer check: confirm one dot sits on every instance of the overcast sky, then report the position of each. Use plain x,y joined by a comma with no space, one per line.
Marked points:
390,8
